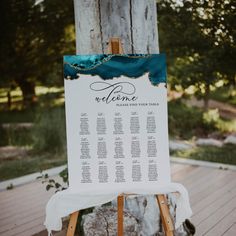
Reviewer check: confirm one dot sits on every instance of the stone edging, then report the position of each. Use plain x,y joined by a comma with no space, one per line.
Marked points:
30,178
215,165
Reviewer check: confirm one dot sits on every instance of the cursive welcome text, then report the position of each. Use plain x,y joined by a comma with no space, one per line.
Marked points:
122,92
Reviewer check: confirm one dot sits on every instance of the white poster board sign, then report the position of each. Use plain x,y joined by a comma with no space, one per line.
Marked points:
117,133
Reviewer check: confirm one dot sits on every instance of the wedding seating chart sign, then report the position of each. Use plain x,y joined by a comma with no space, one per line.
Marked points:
116,122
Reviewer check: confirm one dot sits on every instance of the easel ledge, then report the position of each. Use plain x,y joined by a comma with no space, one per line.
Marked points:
115,47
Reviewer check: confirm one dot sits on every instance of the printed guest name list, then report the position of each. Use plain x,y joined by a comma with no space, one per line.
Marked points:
119,126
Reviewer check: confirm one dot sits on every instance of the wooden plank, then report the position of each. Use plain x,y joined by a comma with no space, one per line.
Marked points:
202,215
24,227
34,230
27,205
165,215
34,186
115,46
208,221
120,216
206,179
24,191
72,224
219,183
185,171
191,175
20,221
231,231
210,197
175,167
224,225
9,195
23,203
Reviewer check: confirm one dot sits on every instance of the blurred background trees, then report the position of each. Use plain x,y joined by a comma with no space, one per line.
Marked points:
34,37
197,35
199,39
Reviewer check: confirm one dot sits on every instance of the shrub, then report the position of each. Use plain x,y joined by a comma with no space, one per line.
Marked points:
184,121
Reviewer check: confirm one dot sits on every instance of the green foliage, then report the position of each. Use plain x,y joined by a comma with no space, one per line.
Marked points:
184,121
33,39
199,40
187,122
49,131
211,118
225,94
64,175
226,126
51,183
225,154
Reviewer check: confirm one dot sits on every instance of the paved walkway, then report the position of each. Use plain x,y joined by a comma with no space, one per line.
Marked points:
212,195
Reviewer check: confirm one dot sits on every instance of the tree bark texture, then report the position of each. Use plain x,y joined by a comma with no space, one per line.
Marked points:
134,21
28,92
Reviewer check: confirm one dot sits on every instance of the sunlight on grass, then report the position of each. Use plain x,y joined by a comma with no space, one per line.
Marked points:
59,102
16,92
40,90
16,95
29,164
3,99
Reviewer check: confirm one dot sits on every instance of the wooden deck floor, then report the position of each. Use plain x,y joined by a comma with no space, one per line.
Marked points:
212,195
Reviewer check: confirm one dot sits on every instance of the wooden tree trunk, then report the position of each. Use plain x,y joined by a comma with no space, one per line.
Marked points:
135,23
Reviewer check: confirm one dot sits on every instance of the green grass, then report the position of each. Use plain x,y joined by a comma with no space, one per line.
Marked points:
17,116
225,154
46,137
46,98
33,163
16,136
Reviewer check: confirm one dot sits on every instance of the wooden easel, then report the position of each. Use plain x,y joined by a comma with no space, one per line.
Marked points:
115,47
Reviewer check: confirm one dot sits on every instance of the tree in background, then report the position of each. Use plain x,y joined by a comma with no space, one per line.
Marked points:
199,39
34,36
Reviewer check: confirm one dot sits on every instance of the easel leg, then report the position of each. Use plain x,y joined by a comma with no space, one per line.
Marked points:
120,207
72,224
165,215
114,47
